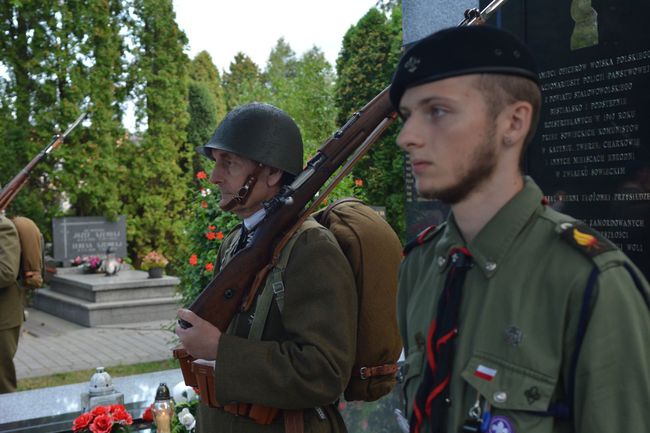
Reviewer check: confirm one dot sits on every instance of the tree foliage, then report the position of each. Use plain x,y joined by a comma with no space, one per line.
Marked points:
244,82
365,66
203,70
62,58
58,59
156,206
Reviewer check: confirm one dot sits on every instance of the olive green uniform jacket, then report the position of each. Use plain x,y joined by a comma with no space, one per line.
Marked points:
305,355
11,303
519,315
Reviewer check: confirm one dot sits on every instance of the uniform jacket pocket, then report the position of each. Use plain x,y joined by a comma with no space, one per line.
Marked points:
509,386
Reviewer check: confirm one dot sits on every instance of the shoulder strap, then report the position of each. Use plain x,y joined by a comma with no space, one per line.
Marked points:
274,286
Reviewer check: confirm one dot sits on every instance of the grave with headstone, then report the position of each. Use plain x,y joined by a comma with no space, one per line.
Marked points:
94,299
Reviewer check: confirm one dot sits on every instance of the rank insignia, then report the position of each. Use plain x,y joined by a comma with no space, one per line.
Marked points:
587,240
500,424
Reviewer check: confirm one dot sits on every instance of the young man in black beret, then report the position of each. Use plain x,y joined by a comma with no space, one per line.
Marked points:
515,318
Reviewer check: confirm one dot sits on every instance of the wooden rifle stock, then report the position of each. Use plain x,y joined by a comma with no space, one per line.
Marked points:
15,185
227,292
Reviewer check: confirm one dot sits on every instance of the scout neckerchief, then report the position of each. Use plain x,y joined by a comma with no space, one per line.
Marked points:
431,396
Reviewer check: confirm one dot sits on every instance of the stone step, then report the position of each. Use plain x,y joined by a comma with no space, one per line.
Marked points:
126,285
92,314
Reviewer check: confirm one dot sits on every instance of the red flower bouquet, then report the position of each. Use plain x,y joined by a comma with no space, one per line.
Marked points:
103,419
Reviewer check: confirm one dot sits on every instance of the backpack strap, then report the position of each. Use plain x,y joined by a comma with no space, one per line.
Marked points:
274,286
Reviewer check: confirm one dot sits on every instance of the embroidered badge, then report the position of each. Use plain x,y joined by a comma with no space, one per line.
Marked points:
513,336
587,240
485,373
532,395
412,64
500,424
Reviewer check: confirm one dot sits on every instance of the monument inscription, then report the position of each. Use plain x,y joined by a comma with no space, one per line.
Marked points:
85,236
591,154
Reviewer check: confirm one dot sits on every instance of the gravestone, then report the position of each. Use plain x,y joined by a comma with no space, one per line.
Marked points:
87,236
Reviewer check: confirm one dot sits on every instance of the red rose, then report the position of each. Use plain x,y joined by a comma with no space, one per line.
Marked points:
212,228
358,182
102,424
115,408
147,415
204,204
211,236
99,410
209,267
82,421
201,175
219,235
121,416
194,260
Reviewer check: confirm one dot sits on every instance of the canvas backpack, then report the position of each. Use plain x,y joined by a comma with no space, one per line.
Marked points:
31,252
374,252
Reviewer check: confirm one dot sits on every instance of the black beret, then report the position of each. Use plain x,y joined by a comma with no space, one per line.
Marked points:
461,51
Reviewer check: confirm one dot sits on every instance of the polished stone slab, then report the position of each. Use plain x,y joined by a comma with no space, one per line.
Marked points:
53,409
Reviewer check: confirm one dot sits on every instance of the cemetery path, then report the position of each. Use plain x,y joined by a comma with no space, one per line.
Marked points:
50,345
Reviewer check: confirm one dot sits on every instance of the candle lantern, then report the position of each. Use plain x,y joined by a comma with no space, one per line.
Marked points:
163,409
111,264
100,391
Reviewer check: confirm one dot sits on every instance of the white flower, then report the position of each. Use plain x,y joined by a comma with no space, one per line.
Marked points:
205,192
187,419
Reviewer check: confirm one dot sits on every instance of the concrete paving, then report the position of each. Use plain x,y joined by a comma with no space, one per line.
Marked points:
50,345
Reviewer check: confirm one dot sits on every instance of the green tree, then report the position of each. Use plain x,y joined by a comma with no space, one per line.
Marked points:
244,82
156,199
60,58
281,73
365,65
203,70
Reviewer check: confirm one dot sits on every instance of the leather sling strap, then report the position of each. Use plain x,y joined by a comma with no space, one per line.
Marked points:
294,421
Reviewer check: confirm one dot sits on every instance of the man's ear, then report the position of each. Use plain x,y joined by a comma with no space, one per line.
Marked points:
274,177
517,119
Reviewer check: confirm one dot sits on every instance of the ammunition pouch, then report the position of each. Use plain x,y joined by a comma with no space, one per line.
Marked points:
199,374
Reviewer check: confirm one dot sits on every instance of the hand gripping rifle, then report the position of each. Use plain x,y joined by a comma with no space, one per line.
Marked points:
15,185
233,288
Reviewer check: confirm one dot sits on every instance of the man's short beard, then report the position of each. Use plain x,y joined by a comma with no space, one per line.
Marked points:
483,163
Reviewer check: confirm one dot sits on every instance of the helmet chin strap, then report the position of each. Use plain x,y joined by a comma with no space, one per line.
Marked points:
244,192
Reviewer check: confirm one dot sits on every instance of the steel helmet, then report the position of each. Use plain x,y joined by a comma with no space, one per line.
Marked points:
262,133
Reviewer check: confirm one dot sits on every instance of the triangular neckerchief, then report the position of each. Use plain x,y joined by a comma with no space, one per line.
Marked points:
433,393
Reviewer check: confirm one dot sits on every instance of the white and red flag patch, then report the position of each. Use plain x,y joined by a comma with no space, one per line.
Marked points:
485,373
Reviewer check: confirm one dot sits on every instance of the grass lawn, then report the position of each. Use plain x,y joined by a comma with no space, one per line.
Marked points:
84,375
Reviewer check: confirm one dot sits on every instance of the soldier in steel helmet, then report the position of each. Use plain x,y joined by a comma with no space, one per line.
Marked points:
299,359
515,318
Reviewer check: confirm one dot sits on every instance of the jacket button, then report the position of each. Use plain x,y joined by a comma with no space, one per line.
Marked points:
500,397
441,261
490,266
